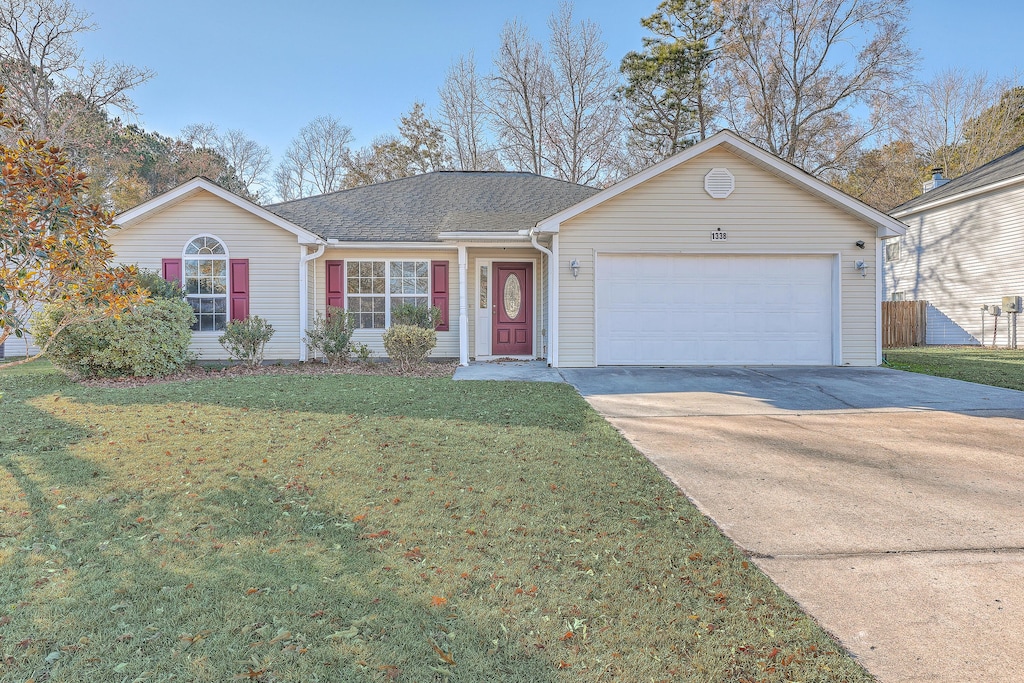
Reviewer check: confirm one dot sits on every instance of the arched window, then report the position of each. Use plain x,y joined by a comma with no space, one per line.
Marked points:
205,275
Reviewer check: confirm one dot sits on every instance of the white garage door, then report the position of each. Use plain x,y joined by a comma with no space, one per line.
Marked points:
714,310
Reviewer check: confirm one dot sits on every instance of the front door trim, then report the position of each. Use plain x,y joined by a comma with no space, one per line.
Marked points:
482,342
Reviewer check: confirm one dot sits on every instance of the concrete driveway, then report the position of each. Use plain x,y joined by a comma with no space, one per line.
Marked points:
889,505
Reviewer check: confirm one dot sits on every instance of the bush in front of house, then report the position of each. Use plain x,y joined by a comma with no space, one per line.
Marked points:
412,314
409,345
150,340
158,287
331,335
246,340
411,337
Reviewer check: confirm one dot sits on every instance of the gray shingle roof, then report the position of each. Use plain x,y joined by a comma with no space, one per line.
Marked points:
1007,166
418,208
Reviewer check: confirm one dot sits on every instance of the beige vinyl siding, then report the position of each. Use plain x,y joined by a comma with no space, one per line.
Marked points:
477,257
447,342
962,256
671,213
273,255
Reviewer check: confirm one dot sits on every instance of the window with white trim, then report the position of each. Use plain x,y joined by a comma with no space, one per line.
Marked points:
373,287
205,275
892,249
898,296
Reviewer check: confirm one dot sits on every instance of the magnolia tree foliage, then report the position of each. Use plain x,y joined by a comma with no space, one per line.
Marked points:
53,245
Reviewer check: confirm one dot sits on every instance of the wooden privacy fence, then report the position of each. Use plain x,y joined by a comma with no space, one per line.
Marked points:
903,323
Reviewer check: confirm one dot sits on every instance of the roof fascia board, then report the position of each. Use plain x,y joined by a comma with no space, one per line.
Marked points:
960,196
885,225
435,246
481,235
193,186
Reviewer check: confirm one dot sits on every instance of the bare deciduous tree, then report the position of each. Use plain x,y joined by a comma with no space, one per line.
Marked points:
463,117
961,120
584,129
796,72
41,65
248,160
520,99
316,160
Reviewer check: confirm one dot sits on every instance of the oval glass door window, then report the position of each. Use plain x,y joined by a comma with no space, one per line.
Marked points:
513,296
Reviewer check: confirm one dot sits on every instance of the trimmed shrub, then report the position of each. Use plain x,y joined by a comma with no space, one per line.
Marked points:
246,340
409,345
331,335
151,340
413,314
158,287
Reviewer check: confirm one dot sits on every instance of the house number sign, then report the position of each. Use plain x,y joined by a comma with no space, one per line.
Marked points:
719,236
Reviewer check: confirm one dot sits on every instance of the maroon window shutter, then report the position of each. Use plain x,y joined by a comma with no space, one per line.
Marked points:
336,284
439,291
239,288
172,270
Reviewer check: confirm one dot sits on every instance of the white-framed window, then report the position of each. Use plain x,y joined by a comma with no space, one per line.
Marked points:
898,296
205,279
373,287
893,249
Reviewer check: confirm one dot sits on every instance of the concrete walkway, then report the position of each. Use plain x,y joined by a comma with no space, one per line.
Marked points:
509,371
889,505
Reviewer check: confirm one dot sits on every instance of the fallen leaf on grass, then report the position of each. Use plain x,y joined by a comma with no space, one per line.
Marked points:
438,601
446,657
567,636
348,634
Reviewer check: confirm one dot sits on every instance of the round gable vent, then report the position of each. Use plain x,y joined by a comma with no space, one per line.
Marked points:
719,183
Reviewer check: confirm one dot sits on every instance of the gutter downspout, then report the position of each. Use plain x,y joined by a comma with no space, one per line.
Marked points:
552,255
304,296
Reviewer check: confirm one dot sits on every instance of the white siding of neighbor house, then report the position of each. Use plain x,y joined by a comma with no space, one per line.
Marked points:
959,257
447,342
15,347
672,213
273,255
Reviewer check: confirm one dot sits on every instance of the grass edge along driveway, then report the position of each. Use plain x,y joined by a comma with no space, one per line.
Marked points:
365,529
980,364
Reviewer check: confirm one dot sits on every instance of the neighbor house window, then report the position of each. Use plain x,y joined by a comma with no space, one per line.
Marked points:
898,296
205,275
892,249
373,287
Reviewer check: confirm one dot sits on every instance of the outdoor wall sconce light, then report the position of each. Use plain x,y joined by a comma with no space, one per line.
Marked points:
860,244
862,267
574,266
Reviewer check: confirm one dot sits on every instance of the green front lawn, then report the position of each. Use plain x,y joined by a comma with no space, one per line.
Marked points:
984,365
336,528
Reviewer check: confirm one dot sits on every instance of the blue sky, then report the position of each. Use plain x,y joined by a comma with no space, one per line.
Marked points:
269,67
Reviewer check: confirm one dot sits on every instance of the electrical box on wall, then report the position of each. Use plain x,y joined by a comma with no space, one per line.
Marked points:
1011,304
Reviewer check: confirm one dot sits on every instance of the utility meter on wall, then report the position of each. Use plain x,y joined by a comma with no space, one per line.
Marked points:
1011,304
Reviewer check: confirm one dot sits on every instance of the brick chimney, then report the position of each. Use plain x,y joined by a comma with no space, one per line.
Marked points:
936,181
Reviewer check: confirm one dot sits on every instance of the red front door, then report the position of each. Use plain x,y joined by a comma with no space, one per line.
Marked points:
512,310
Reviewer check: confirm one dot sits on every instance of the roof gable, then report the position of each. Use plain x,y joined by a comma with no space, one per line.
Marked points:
885,225
199,184
1006,170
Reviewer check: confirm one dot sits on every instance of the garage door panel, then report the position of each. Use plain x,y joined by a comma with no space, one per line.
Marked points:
708,310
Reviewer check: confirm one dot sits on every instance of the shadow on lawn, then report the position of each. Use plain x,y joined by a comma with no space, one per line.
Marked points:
552,406
226,584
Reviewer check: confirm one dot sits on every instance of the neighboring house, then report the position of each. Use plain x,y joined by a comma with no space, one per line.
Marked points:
721,254
963,249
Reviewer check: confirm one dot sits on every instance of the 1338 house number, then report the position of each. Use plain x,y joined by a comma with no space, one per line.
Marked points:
719,236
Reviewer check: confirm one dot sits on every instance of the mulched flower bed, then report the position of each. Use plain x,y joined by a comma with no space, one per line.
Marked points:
199,372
